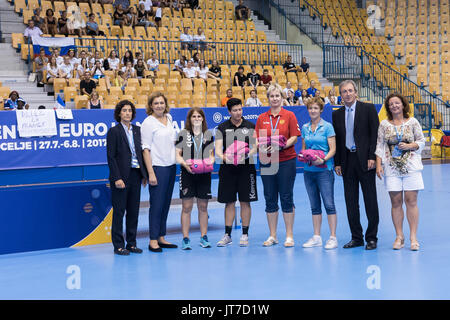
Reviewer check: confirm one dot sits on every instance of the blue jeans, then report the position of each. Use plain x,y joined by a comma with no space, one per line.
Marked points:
160,198
320,183
281,183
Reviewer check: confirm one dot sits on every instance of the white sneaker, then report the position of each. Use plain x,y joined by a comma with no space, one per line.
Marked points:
243,242
315,241
225,241
331,243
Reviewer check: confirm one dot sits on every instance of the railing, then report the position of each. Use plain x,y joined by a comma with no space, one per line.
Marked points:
168,51
376,80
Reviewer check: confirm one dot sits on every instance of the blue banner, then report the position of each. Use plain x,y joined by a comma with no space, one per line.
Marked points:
82,141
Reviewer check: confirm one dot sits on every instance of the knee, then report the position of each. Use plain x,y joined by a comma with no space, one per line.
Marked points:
411,201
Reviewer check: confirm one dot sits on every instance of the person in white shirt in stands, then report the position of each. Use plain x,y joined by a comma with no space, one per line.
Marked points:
180,64
129,71
153,64
95,58
190,71
66,69
202,70
200,40
186,39
253,101
74,61
331,98
147,4
158,14
288,88
59,59
31,31
113,61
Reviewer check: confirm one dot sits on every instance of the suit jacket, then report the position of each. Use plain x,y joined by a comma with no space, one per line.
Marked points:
119,153
365,133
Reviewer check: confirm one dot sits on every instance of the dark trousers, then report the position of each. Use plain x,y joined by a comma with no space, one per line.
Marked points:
353,177
160,198
127,199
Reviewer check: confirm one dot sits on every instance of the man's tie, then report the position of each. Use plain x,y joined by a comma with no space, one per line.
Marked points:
349,139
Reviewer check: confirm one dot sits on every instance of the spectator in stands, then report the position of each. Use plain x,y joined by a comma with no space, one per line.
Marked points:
153,64
215,72
266,79
52,70
147,5
138,55
132,17
303,100
113,61
202,70
195,59
331,99
66,69
62,24
190,71
299,91
59,58
304,65
98,72
193,4
128,57
180,64
291,98
225,99
289,66
312,89
287,89
158,15
73,59
92,27
50,22
87,85
158,136
76,24
94,101
186,39
120,16
22,104
140,68
31,31
121,80
41,62
13,100
143,16
242,12
240,78
82,68
199,40
318,95
253,77
97,57
129,71
253,100
38,20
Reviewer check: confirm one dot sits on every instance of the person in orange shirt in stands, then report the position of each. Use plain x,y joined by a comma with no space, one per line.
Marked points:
224,100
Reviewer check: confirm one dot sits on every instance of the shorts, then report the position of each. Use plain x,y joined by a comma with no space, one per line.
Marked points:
240,180
411,182
195,185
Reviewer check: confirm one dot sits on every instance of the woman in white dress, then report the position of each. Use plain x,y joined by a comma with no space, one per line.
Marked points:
399,145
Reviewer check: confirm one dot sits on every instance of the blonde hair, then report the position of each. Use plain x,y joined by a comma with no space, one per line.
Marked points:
274,87
315,100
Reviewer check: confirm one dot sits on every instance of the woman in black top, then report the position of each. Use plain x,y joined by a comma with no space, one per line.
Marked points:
304,65
215,72
239,78
128,57
62,24
140,67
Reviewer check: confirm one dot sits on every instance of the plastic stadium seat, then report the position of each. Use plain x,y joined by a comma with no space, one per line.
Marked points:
81,102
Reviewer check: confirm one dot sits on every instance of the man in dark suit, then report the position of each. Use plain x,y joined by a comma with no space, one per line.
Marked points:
126,172
356,127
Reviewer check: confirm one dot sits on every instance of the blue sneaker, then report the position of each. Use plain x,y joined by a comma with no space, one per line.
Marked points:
186,244
204,242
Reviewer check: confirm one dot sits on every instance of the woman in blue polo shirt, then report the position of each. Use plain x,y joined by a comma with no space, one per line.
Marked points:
319,134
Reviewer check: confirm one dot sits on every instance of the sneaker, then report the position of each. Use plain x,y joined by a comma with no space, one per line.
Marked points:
225,241
331,243
243,242
315,241
186,244
204,242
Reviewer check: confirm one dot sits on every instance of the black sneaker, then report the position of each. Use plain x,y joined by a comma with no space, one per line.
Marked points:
122,252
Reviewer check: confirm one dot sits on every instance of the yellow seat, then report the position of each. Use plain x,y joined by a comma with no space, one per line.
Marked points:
81,102
115,91
59,85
